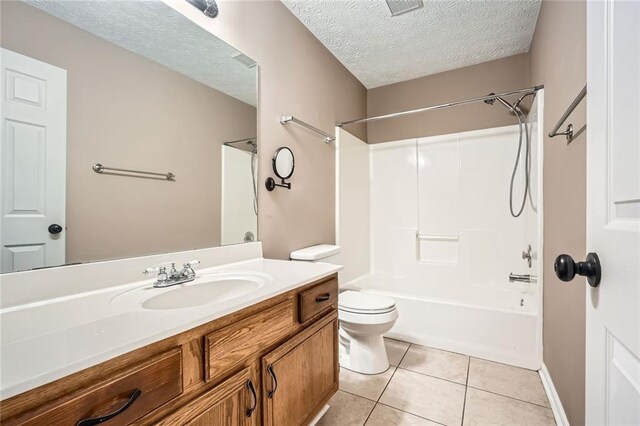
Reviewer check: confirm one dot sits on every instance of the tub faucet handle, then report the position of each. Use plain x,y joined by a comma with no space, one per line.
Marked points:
527,255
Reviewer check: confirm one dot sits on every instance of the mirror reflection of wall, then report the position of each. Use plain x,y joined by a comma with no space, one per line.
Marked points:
153,92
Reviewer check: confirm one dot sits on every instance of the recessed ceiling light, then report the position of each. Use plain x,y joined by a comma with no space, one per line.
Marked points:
398,7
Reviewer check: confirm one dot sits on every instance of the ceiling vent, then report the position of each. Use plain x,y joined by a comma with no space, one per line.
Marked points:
398,7
244,60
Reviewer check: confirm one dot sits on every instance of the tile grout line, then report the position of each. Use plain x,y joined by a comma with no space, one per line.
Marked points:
411,414
389,381
432,376
466,387
510,397
359,396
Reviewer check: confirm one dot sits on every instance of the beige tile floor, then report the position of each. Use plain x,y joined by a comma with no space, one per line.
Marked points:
426,386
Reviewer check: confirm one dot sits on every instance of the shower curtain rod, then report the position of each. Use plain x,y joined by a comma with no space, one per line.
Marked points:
447,105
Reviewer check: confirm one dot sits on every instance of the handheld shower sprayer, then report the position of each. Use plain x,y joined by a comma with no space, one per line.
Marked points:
517,111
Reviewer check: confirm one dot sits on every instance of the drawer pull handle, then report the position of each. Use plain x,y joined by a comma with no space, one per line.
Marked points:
323,297
252,389
274,379
97,420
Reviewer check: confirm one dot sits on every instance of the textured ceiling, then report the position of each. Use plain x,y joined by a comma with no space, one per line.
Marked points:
156,31
443,35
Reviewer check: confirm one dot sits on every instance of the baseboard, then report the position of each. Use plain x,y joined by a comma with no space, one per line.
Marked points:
554,399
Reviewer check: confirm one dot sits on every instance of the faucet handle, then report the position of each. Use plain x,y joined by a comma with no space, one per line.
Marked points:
191,263
162,273
158,269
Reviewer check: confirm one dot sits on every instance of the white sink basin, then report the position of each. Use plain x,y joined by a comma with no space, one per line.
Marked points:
188,296
205,289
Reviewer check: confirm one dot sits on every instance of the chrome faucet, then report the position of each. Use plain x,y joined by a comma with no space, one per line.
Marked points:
527,278
173,277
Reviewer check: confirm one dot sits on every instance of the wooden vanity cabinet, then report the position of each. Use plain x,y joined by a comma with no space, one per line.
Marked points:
234,402
208,375
301,375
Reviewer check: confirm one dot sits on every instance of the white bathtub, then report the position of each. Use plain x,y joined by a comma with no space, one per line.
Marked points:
489,323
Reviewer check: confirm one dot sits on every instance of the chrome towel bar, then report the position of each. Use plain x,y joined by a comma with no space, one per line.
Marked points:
99,168
569,130
291,119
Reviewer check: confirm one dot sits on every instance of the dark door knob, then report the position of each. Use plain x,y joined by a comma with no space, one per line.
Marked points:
55,229
566,268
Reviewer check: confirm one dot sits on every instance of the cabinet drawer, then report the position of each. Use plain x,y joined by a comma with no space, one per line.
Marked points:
154,382
230,346
318,299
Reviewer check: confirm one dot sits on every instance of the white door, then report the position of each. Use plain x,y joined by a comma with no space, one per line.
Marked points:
32,163
613,212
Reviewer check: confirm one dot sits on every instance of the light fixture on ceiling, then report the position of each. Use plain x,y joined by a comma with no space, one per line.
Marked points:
208,7
398,7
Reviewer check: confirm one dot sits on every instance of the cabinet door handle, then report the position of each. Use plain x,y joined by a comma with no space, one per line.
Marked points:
97,420
252,389
323,297
274,379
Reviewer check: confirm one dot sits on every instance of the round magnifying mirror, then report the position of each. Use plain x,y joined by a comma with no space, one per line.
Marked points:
283,163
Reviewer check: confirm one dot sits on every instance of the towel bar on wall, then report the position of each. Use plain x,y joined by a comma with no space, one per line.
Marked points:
569,130
291,119
99,168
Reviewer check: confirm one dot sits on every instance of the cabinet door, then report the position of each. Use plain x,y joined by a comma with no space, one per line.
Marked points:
301,375
230,403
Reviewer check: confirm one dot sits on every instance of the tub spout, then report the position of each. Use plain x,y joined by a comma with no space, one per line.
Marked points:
522,278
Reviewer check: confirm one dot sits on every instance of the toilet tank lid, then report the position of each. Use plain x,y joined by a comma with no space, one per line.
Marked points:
315,252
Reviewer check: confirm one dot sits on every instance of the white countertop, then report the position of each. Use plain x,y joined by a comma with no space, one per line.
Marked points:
47,340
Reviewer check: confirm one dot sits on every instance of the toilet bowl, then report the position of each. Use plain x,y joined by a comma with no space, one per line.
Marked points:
363,318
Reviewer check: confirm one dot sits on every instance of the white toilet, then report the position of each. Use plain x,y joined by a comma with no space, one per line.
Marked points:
363,318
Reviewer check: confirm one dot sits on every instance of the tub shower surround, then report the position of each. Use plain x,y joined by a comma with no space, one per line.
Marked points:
443,243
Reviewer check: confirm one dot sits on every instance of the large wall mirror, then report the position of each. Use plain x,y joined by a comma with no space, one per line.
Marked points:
142,91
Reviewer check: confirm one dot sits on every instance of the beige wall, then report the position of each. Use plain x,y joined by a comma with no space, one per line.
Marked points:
298,76
126,111
558,60
477,80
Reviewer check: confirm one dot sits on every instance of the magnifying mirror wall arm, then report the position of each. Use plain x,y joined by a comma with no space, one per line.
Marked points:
283,169
271,184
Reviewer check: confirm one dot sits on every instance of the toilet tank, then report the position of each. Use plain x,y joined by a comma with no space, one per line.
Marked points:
318,253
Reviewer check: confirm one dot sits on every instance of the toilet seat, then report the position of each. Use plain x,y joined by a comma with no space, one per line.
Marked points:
364,303
368,319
